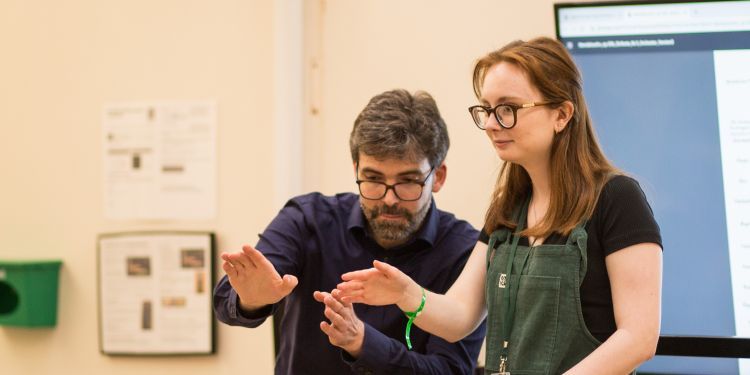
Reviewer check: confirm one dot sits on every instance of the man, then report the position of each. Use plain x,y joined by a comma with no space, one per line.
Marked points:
398,146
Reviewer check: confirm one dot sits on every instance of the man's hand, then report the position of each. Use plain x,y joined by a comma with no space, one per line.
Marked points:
255,279
345,330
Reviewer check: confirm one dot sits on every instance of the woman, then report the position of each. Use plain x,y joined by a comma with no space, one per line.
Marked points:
568,268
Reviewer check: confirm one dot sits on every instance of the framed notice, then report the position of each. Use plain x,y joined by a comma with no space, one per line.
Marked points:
159,160
155,293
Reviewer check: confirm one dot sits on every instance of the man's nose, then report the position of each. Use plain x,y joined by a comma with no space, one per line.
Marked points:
390,197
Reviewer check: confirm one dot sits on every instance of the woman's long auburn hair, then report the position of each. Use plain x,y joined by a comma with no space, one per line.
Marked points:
578,167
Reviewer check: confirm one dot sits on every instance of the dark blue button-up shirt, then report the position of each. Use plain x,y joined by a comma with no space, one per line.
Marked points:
318,238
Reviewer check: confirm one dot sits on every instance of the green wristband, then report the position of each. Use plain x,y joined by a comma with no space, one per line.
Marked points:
412,316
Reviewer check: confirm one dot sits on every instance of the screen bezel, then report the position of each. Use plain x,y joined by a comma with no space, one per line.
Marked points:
676,345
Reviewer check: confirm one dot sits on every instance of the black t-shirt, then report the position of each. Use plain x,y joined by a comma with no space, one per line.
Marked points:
622,217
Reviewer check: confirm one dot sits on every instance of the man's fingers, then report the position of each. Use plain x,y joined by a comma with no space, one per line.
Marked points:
288,282
255,260
334,304
238,260
229,269
227,257
319,296
258,259
251,253
327,329
330,314
339,322
337,294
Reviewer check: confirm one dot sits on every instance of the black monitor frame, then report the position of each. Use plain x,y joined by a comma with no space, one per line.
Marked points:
677,345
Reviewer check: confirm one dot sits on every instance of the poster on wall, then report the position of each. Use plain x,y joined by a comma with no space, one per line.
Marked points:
155,293
159,160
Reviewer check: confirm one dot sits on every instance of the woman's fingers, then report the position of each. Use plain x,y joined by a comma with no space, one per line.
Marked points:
353,297
359,275
350,292
350,286
386,268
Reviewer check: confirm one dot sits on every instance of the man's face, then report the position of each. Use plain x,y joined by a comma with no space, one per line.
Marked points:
393,221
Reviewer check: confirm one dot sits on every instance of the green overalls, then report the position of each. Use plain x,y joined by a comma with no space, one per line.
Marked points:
534,323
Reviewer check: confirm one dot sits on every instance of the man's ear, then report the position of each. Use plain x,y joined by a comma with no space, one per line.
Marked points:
441,173
354,168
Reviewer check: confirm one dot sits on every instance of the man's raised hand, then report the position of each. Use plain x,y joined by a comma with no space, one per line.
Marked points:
255,279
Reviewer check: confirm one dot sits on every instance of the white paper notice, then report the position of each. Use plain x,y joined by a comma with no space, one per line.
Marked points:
160,160
155,294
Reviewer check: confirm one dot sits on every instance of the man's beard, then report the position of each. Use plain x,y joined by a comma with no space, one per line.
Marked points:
391,231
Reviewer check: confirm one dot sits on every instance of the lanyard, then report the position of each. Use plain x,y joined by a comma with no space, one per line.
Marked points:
511,294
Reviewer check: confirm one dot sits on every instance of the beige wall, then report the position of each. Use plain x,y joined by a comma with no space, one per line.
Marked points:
62,61
366,47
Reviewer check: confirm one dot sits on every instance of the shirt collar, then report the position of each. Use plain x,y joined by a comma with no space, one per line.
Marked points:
427,233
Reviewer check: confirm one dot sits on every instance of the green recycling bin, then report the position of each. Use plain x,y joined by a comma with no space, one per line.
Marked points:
28,293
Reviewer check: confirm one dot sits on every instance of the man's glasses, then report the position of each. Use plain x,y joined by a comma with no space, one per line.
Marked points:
505,114
405,191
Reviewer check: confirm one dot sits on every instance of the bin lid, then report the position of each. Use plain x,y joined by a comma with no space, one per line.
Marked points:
30,264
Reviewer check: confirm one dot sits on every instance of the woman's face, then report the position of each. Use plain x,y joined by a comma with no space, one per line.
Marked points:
528,143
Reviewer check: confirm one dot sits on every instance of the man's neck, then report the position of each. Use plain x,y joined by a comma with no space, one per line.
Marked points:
390,244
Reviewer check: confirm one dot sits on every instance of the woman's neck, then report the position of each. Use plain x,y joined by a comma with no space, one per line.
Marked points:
540,197
540,184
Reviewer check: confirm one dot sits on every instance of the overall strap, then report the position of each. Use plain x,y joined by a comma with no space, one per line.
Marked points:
502,234
510,297
579,237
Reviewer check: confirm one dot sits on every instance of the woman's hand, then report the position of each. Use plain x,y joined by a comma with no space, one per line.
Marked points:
378,286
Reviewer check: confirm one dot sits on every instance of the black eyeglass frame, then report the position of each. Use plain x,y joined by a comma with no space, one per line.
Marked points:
393,187
513,107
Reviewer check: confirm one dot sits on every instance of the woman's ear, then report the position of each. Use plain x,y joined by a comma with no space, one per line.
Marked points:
564,114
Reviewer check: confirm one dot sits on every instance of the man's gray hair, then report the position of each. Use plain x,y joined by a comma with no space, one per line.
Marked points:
399,125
